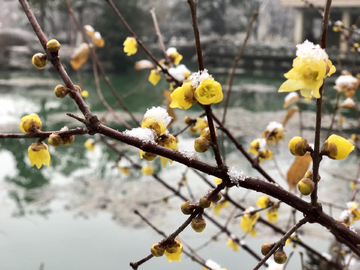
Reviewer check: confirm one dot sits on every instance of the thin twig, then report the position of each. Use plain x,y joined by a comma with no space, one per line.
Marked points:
281,242
316,154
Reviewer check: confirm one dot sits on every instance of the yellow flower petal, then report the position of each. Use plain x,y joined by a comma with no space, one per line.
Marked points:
338,147
130,46
272,215
183,97
209,92
30,123
39,154
263,202
90,144
231,243
147,170
154,76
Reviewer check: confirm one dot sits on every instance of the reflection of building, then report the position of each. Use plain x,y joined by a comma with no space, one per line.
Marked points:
308,22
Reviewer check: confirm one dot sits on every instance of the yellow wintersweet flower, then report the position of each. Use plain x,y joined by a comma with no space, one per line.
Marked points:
217,181
256,146
248,220
149,122
310,67
263,202
253,232
173,251
147,170
272,214
352,185
298,146
200,124
174,56
84,94
90,144
337,147
30,123
353,207
125,170
265,154
219,206
231,243
39,154
274,132
154,76
168,141
183,97
130,46
209,92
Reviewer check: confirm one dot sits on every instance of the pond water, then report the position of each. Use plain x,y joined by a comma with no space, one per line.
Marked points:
78,213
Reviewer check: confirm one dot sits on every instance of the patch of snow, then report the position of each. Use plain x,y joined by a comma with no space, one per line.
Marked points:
146,135
197,77
310,51
159,114
235,176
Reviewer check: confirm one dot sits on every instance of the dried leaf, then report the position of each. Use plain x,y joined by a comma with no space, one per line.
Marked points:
292,100
298,170
289,114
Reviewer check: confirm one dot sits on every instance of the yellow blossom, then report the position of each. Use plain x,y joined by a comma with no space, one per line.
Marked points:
147,170
253,232
352,185
39,154
263,202
130,46
231,243
353,207
125,170
209,92
248,221
298,146
219,206
200,124
30,123
274,133
149,122
183,97
173,251
265,154
310,67
337,147
84,94
168,141
154,76
255,145
90,144
174,56
217,180
272,214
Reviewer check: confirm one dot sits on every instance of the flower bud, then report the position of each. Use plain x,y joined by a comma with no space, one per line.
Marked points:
148,156
67,140
55,140
61,91
306,186
336,147
39,60
188,120
309,174
298,146
266,247
187,208
204,202
53,46
198,223
173,246
206,134
217,197
157,250
77,88
280,256
201,145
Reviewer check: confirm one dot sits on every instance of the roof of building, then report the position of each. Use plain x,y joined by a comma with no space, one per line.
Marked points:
321,3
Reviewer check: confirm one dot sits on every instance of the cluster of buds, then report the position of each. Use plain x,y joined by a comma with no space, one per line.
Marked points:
57,139
172,250
306,185
61,91
203,142
280,256
39,60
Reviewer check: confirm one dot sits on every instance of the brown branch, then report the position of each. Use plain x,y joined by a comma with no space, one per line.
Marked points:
316,154
44,134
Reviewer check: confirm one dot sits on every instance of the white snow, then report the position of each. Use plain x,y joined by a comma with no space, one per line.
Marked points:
273,125
348,101
179,73
191,155
290,96
97,35
346,79
212,265
158,114
146,135
171,50
310,51
89,28
235,176
197,77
